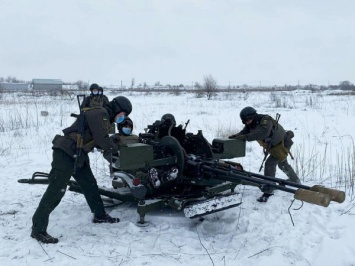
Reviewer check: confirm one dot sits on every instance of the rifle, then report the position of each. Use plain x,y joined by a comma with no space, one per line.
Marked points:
188,121
266,151
80,132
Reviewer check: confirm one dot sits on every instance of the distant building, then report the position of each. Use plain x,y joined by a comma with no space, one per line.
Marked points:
14,86
71,87
46,84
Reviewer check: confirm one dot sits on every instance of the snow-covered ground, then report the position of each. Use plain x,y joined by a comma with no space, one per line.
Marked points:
250,234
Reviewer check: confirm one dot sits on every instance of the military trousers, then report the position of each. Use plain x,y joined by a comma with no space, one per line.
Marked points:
59,176
270,170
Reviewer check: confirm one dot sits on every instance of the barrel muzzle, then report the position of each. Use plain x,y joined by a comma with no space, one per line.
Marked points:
312,197
335,195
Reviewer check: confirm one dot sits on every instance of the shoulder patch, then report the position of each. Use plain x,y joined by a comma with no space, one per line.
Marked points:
264,121
105,123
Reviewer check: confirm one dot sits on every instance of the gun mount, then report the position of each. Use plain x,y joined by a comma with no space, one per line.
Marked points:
184,171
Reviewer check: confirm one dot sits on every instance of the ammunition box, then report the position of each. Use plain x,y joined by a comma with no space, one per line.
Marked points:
224,148
135,155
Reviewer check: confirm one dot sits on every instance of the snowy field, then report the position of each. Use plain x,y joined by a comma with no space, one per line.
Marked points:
250,234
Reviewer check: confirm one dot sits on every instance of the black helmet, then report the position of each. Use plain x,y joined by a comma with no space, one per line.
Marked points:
121,104
168,119
247,113
126,122
94,86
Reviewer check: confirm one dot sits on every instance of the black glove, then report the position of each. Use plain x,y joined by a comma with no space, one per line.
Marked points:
241,137
238,136
114,138
233,136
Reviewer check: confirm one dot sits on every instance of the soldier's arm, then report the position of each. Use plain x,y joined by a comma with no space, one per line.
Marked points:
99,124
244,131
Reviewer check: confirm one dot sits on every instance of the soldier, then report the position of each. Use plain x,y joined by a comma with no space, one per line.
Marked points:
124,135
96,97
125,131
103,97
162,127
68,161
276,142
121,139
168,119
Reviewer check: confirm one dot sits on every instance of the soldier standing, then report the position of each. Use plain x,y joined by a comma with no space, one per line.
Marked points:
96,97
275,141
67,162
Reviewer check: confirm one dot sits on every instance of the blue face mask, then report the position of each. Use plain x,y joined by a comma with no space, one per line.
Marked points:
127,130
119,119
95,92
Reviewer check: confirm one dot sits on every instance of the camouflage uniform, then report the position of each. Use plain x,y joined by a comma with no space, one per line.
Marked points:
95,101
97,124
261,130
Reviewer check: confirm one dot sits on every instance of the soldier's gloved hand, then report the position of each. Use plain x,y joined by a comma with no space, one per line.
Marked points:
114,138
233,136
241,137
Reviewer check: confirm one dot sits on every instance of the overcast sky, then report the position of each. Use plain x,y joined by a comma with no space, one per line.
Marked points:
238,42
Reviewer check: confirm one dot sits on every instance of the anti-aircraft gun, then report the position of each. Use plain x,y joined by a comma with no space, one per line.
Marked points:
194,176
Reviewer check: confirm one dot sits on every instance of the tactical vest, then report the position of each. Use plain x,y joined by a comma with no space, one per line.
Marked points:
72,131
277,133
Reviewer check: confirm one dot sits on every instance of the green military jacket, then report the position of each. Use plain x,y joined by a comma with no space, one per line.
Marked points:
95,101
262,128
97,126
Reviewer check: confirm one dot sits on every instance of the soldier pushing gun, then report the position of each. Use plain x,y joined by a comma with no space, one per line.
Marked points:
70,158
275,141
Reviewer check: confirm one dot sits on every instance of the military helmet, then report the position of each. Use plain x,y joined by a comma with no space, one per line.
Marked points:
94,86
168,118
121,104
247,113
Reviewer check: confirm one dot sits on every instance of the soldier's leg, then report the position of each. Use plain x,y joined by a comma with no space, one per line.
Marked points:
288,170
87,182
270,170
58,180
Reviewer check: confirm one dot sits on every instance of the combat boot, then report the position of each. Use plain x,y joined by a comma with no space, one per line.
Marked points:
44,237
264,197
105,219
